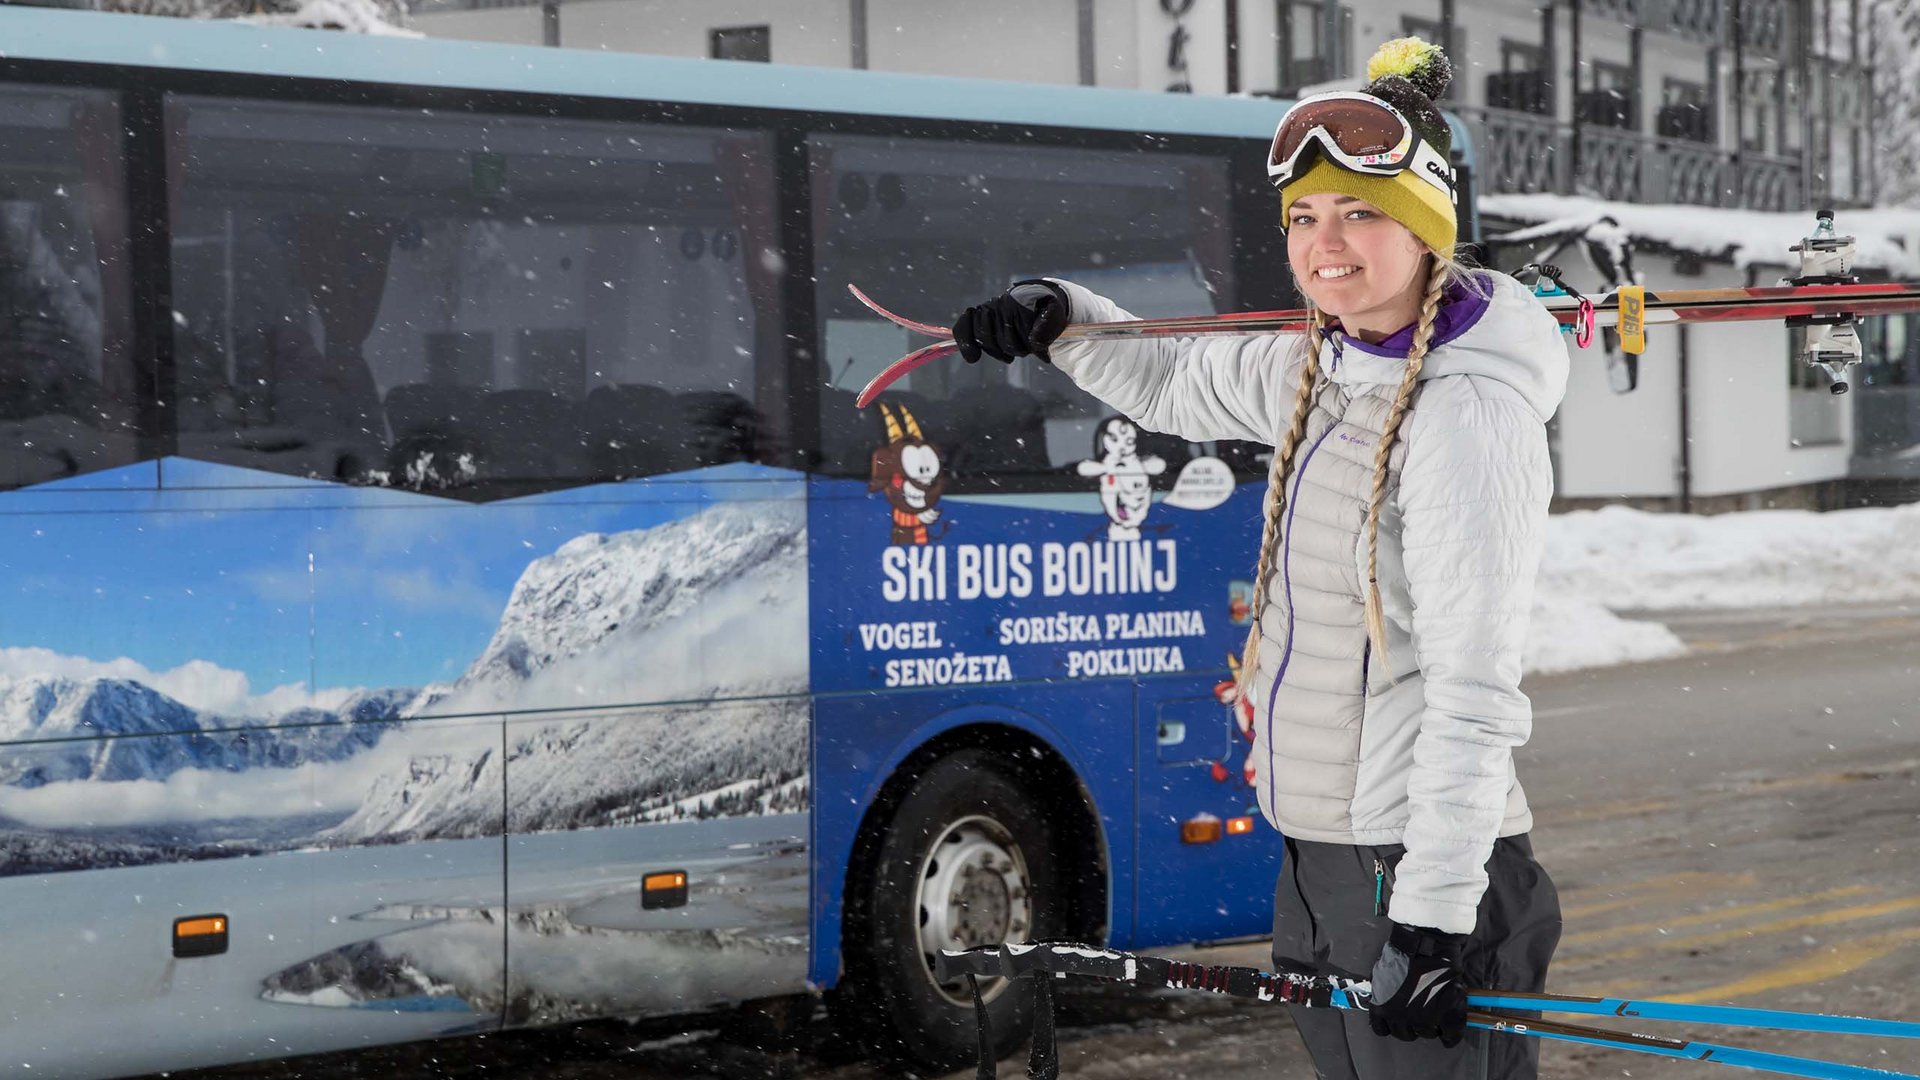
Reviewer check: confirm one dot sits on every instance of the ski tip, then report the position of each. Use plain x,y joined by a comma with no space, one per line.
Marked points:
927,329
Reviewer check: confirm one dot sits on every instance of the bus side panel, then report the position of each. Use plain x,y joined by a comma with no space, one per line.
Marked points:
860,740
646,644
166,757
1193,769
1029,611
88,915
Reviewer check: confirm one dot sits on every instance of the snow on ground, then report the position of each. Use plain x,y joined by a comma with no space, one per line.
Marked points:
1601,562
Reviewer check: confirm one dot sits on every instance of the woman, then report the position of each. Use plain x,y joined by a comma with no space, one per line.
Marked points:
1404,517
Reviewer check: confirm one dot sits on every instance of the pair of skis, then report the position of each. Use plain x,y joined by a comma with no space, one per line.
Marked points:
1826,298
1814,303
1046,961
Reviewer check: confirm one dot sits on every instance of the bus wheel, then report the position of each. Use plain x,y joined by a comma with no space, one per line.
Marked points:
968,859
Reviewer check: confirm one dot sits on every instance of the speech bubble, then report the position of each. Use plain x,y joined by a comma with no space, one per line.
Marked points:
1204,483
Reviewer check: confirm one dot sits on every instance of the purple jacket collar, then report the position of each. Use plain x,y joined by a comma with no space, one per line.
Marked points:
1459,311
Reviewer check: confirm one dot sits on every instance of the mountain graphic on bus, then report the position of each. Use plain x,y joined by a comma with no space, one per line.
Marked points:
613,659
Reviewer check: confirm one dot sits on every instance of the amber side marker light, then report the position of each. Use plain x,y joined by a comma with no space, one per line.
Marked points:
200,935
663,890
1201,830
1239,826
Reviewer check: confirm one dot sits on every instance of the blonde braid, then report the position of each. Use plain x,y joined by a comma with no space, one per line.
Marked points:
1416,357
1277,498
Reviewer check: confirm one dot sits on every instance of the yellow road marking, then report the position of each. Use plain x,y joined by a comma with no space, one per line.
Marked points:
1706,917
1634,807
1601,811
1837,960
1636,892
1739,933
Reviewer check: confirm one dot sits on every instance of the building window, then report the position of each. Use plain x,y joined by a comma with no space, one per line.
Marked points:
1759,113
1522,84
1611,98
742,43
1886,397
1686,112
1303,54
1431,30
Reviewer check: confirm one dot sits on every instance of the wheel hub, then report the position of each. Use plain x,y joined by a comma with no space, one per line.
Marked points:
974,892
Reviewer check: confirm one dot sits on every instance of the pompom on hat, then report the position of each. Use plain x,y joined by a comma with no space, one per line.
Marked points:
1406,73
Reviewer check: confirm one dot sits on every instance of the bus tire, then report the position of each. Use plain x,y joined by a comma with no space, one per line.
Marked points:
968,856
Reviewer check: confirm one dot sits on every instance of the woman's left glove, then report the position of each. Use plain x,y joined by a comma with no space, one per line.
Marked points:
1418,991
1022,321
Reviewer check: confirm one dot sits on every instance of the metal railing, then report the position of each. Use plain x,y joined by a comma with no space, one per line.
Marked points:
1524,153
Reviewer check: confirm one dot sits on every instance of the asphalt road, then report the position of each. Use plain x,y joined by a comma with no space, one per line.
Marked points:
1738,825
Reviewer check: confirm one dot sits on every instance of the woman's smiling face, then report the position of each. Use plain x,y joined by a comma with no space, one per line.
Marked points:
1354,262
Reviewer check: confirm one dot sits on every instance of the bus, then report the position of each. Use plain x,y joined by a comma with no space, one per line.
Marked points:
448,586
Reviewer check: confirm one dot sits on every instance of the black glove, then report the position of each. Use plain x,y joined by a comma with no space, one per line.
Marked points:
1418,991
1022,321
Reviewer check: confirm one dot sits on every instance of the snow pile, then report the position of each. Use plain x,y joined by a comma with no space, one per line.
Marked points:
1888,238
1599,562
353,16
1572,632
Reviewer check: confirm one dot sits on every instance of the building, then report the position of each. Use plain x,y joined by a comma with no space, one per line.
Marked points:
1755,103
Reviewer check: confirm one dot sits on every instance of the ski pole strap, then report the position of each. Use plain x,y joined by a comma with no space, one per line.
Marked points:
1583,322
983,1069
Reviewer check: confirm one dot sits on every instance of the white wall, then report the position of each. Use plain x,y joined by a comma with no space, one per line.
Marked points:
1629,444
507,26
1206,51
1008,39
803,31
1740,406
1621,444
1117,60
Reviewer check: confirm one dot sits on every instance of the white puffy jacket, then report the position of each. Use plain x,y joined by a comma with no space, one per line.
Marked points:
1417,750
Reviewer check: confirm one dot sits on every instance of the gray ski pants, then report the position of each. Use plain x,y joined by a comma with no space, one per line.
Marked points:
1324,923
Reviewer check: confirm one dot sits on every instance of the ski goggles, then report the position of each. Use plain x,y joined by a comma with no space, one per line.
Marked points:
1358,132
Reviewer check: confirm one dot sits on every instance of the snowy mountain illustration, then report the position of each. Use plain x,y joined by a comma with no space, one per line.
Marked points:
704,615
696,614
85,710
605,594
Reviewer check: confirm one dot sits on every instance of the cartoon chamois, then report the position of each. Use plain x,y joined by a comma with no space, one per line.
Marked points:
909,469
1125,492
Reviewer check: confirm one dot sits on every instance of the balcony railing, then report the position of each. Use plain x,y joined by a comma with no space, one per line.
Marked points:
1522,153
1763,23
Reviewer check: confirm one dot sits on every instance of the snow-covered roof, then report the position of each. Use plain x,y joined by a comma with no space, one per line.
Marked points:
1888,237
353,16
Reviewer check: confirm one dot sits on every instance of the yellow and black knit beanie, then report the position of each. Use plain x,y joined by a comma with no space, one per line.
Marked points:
1408,74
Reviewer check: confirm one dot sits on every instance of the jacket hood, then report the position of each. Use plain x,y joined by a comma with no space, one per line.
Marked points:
1509,336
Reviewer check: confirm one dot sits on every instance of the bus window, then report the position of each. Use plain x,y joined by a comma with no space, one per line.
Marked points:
68,380
929,226
464,302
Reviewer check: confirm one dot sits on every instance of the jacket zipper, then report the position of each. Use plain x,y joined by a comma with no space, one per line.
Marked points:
1286,578
1381,879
